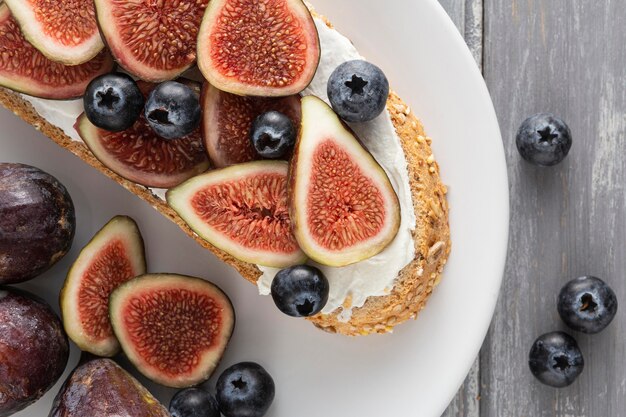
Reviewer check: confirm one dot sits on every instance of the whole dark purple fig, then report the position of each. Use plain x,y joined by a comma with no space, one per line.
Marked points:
37,222
33,349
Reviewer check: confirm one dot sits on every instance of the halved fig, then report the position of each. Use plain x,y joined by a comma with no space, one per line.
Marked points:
156,40
26,70
64,32
242,210
266,48
227,119
113,256
140,155
173,328
342,205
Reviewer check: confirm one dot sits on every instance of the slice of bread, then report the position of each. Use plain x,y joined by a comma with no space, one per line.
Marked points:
415,282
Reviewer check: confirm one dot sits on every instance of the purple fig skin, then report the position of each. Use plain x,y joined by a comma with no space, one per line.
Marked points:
101,388
34,349
37,222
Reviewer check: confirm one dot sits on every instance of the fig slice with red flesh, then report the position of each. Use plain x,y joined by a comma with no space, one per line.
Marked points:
26,70
156,40
267,48
141,156
242,210
227,119
342,204
63,31
113,256
173,328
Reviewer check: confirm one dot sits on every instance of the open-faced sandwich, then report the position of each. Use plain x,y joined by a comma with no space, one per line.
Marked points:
257,128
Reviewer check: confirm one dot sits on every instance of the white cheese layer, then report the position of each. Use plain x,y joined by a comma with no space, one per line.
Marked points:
375,276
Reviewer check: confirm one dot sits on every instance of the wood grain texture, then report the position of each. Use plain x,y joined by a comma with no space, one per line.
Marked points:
456,11
468,17
567,57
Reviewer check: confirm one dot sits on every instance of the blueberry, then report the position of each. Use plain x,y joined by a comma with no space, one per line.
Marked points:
543,139
173,110
555,359
358,91
194,402
245,390
587,304
113,102
272,134
300,291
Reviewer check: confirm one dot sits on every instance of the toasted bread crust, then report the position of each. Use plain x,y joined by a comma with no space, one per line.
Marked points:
415,282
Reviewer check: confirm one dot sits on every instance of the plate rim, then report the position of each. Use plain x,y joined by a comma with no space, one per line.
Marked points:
502,257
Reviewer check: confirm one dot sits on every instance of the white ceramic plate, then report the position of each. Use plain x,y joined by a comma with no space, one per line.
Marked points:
413,372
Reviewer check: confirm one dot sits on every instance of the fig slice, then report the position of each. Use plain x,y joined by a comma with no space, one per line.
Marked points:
227,119
155,40
113,256
341,202
141,156
242,210
26,70
173,328
267,48
63,31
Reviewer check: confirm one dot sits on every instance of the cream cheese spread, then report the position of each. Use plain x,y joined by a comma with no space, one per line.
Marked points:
372,277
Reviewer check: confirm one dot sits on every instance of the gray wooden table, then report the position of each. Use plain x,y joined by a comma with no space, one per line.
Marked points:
567,57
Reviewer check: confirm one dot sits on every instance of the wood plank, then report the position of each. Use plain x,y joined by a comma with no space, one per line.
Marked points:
473,30
467,15
566,57
456,11
467,400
